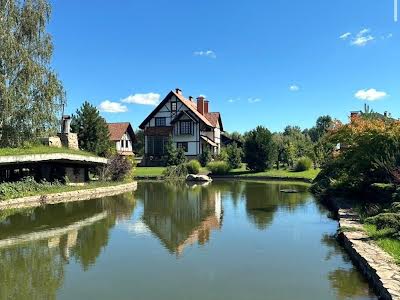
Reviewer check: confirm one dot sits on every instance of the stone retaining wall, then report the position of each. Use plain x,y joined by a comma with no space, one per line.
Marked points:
379,267
78,195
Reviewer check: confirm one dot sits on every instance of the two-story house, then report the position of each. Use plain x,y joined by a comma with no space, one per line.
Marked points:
189,124
123,136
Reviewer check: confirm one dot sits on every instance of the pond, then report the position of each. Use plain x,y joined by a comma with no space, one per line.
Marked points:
227,240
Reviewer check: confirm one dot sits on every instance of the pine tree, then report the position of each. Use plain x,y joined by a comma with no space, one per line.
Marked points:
92,130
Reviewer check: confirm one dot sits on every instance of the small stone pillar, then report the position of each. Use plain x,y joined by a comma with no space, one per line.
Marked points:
69,140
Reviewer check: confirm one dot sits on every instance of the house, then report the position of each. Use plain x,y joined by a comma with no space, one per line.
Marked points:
189,124
123,136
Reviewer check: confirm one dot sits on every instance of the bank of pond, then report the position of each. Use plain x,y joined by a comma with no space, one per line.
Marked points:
225,240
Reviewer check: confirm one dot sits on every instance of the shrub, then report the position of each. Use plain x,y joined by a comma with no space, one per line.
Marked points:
174,156
193,167
176,172
303,164
218,167
385,220
259,149
117,168
222,156
205,157
25,187
234,156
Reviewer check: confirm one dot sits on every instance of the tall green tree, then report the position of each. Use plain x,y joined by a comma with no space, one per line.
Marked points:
138,147
31,95
259,149
92,130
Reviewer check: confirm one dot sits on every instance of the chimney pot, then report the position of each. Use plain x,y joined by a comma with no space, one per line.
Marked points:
178,91
200,104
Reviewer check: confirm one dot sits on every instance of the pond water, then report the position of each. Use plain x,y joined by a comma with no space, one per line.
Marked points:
229,240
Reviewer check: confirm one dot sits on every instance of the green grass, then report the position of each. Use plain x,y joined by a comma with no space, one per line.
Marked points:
273,173
41,150
44,189
148,171
384,239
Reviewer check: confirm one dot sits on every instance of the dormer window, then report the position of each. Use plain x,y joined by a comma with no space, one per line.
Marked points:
185,127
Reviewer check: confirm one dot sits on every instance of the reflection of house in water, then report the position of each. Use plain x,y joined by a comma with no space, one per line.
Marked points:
182,217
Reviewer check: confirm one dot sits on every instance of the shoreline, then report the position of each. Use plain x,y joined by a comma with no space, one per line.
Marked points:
378,267
235,177
70,196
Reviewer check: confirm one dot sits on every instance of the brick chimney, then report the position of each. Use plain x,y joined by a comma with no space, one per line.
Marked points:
206,106
200,104
178,91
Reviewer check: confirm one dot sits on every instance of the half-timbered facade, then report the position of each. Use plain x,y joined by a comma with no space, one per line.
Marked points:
187,122
122,135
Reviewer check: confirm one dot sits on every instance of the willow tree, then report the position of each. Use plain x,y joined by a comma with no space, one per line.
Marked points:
31,95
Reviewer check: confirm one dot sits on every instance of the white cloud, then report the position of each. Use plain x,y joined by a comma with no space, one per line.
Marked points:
254,100
294,88
144,99
231,100
207,53
387,36
362,38
344,36
112,107
370,95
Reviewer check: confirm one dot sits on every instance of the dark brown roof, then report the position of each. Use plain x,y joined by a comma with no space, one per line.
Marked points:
117,130
214,118
189,104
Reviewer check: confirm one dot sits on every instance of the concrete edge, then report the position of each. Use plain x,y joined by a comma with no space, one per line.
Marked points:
78,195
378,267
12,159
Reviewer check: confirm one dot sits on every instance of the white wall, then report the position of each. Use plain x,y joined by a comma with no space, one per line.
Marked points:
124,138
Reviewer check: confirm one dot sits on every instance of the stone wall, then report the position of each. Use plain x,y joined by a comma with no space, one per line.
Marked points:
69,140
377,266
78,195
52,141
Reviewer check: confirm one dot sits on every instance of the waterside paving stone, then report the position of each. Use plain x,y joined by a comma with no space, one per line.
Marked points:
378,266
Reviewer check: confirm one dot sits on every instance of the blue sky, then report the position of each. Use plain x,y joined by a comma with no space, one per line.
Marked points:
270,63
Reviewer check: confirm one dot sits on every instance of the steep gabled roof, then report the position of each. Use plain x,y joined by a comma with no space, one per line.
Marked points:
117,130
189,104
215,118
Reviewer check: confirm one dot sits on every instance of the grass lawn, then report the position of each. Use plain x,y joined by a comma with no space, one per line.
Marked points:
148,171
19,189
384,240
282,173
41,150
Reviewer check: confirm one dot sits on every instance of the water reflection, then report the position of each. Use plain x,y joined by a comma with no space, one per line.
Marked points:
224,223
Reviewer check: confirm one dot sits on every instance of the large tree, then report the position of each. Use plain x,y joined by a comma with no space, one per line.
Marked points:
92,130
31,96
259,149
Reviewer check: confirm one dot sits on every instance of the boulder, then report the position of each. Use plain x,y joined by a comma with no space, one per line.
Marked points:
198,178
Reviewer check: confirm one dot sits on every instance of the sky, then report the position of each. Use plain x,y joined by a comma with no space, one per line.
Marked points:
259,62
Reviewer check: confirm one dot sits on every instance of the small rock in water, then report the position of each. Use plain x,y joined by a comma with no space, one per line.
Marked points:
288,191
200,178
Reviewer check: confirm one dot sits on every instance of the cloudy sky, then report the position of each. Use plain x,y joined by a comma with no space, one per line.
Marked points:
259,62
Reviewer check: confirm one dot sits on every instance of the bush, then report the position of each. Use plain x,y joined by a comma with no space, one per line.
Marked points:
118,168
176,172
205,157
385,220
218,167
259,149
193,167
25,187
303,164
234,156
222,156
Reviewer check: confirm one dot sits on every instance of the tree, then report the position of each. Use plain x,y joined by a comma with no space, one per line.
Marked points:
31,95
322,126
234,156
92,130
259,149
138,147
174,156
205,157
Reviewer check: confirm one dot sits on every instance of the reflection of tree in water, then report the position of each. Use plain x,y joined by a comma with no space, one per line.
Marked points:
180,215
35,246
31,271
263,200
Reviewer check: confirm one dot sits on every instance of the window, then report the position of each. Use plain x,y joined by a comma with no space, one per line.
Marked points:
156,145
173,107
183,145
127,144
122,144
160,121
185,127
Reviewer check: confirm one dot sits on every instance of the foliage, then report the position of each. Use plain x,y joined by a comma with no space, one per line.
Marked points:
92,130
218,167
193,167
322,126
21,188
222,156
138,146
40,149
385,220
31,95
176,172
205,157
235,155
118,168
174,156
303,164
259,149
